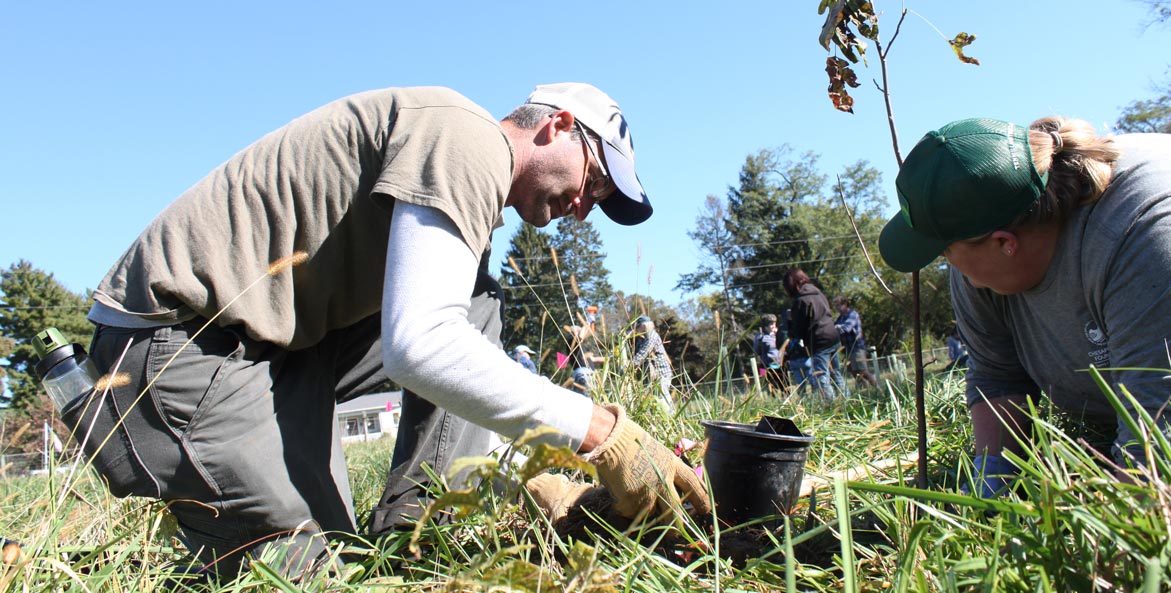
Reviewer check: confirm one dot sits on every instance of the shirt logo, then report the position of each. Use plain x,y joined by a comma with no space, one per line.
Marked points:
1094,334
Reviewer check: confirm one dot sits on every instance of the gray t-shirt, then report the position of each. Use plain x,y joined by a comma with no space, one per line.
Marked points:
1105,301
319,185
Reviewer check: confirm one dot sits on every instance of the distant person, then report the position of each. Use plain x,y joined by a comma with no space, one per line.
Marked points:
651,356
1059,242
957,353
813,324
585,355
524,355
768,355
794,351
849,326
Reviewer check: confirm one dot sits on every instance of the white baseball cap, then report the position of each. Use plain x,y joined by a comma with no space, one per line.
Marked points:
598,112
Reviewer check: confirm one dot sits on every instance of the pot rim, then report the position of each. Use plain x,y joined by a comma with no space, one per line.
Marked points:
750,430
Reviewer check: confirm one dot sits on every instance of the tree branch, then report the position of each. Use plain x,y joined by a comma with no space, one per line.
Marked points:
858,233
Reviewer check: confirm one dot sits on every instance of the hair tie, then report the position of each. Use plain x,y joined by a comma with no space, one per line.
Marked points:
1058,145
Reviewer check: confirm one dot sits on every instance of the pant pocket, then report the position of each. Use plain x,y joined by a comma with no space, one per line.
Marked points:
187,367
105,442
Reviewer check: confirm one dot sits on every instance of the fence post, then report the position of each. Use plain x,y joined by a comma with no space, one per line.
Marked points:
45,446
874,360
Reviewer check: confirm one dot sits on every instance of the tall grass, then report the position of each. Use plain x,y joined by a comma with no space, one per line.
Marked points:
1069,525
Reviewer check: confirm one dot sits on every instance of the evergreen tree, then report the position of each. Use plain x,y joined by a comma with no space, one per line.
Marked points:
581,264
32,302
771,239
532,292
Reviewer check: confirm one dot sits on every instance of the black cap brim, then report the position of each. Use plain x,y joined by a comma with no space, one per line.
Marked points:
629,204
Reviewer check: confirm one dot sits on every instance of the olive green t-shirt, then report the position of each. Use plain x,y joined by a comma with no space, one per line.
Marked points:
325,184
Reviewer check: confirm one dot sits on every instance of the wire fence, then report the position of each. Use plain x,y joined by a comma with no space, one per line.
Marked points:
897,367
22,465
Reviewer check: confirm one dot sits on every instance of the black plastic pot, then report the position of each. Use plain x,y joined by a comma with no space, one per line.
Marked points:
755,471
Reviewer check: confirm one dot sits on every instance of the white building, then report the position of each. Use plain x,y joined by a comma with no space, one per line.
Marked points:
369,416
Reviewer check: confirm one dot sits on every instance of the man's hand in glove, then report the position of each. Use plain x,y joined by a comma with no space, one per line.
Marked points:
555,494
642,474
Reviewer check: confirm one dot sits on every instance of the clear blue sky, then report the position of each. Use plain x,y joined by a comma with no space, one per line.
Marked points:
109,110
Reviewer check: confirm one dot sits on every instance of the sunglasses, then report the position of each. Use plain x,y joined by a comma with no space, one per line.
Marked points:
599,188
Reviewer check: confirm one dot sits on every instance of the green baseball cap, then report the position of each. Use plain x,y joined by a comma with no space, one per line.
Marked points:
968,178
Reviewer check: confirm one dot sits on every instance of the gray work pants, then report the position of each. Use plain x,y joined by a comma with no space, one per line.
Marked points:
240,436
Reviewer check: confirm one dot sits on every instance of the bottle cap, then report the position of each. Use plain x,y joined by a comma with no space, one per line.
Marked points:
48,341
52,349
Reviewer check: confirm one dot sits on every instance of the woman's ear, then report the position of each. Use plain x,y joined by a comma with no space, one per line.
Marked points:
1007,242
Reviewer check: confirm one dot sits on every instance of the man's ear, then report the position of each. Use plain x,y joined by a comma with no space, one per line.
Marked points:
558,123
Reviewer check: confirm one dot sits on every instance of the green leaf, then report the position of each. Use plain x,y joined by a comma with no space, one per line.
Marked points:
545,456
842,503
266,573
974,502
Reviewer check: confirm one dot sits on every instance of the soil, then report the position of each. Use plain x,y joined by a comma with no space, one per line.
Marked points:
737,545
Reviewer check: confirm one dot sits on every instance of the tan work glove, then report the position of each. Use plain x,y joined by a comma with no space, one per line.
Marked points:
555,494
642,474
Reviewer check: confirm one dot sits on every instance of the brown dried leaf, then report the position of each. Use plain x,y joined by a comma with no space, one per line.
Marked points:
958,44
840,76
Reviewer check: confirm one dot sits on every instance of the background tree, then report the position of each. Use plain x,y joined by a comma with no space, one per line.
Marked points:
705,338
1152,115
772,185
581,260
835,258
886,318
721,264
532,291
719,256
34,301
549,280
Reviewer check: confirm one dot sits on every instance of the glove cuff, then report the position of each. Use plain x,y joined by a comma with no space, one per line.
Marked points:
620,419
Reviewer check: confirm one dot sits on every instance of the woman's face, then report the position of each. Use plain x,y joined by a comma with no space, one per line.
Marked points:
978,262
1005,262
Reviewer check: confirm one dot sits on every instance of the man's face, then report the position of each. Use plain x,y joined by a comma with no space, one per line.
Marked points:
557,180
